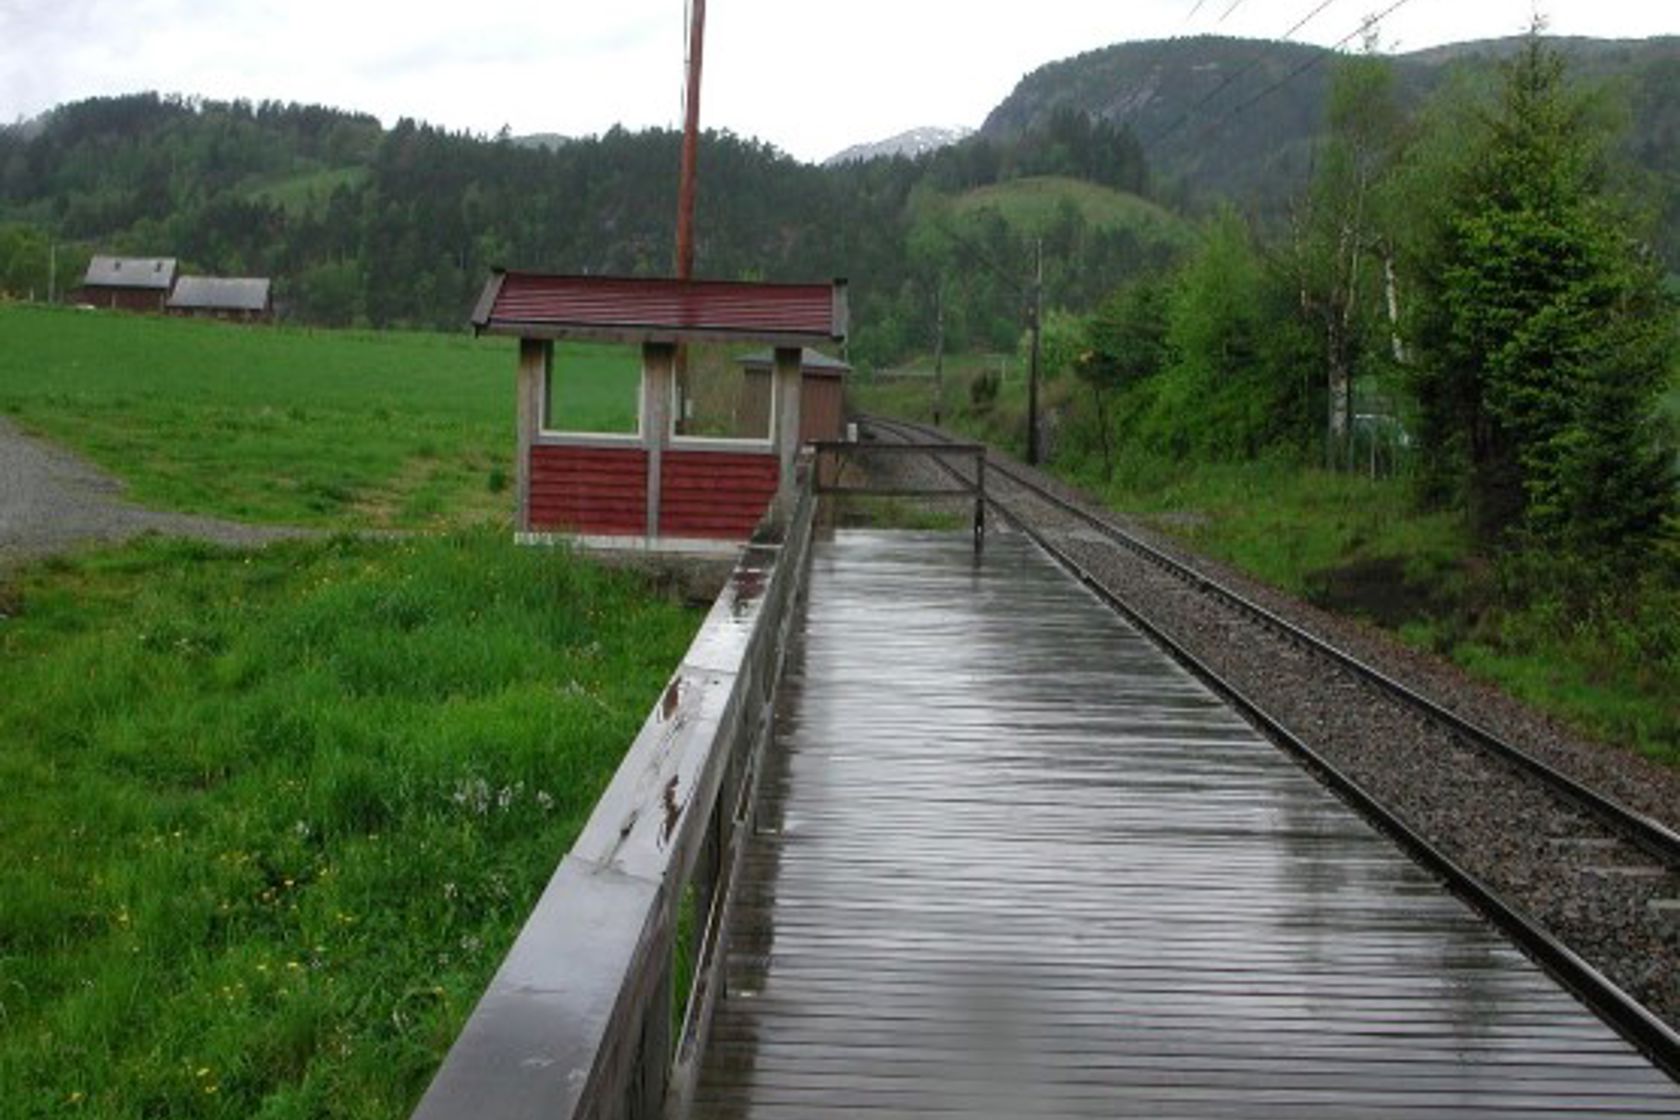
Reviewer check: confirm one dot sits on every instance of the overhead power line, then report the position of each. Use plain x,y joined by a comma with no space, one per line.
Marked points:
1235,76
1315,61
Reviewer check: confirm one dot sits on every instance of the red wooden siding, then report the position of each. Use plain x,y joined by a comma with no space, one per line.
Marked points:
714,495
124,299
593,490
822,409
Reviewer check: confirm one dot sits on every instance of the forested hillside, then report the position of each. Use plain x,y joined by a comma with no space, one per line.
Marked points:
1243,120
359,224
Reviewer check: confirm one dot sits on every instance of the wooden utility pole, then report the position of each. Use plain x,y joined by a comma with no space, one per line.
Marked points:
686,190
939,351
1037,313
690,143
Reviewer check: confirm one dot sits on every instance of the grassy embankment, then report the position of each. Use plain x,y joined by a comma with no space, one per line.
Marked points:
330,428
272,818
1361,546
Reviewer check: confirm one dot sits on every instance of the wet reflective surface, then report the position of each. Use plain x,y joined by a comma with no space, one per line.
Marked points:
1011,862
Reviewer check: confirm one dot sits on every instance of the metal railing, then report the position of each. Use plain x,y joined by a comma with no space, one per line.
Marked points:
579,1020
834,457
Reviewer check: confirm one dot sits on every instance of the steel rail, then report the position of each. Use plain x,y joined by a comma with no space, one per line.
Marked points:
1649,834
1653,1036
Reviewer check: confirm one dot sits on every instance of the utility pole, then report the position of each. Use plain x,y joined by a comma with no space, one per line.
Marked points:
1037,312
690,144
938,350
686,190
52,272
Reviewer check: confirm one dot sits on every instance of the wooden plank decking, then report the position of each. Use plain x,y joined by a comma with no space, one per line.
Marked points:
1013,862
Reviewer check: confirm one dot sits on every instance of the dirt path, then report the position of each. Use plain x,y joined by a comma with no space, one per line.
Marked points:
53,501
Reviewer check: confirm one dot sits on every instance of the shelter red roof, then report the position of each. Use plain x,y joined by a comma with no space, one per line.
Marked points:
623,309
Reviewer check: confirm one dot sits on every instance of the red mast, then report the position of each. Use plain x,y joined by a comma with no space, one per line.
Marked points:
690,144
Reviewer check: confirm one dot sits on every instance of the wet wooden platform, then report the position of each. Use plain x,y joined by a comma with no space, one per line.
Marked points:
1013,862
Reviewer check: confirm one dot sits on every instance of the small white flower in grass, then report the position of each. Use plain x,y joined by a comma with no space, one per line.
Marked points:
450,890
544,800
472,794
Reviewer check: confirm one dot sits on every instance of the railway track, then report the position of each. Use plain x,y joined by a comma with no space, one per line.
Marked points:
1577,878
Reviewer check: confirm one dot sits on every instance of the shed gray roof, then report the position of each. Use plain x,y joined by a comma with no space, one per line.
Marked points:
221,293
811,361
155,273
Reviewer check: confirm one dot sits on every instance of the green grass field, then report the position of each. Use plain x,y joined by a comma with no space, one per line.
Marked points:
272,819
306,191
1031,204
344,429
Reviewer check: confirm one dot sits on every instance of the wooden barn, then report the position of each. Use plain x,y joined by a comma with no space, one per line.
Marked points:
128,283
654,489
822,392
243,299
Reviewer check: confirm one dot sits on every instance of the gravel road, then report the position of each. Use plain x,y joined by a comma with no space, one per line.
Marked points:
52,501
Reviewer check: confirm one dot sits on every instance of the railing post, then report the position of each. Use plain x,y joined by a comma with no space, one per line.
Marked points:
979,500
653,1058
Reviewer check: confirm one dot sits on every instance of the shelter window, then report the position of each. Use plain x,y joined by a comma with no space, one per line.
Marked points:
711,398
593,389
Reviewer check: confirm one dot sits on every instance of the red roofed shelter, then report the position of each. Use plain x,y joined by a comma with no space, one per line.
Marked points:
654,489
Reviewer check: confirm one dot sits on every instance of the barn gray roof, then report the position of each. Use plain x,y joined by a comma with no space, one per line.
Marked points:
811,361
221,293
155,273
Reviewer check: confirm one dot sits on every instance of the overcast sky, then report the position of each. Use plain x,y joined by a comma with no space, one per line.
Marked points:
808,77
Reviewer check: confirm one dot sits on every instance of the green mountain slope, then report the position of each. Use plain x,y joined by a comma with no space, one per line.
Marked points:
1240,119
1033,205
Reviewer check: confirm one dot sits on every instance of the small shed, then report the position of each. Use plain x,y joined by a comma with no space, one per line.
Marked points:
654,489
129,283
822,394
243,299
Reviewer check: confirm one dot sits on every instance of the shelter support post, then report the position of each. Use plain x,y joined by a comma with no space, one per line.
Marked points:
536,356
659,374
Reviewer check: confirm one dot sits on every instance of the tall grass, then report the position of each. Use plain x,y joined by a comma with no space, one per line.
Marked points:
271,819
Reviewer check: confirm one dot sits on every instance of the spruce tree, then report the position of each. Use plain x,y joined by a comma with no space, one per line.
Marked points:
1545,336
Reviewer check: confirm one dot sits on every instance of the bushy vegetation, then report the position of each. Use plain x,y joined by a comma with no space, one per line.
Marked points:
1544,337
273,818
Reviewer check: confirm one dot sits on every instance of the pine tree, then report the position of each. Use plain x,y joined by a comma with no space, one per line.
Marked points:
1545,335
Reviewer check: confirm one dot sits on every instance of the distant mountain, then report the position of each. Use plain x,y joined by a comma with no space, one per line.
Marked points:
544,140
916,142
1240,118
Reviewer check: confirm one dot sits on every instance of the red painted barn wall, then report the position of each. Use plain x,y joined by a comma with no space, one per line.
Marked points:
592,490
124,299
714,495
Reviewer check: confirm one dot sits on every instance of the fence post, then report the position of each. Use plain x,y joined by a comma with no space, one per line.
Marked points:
979,500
